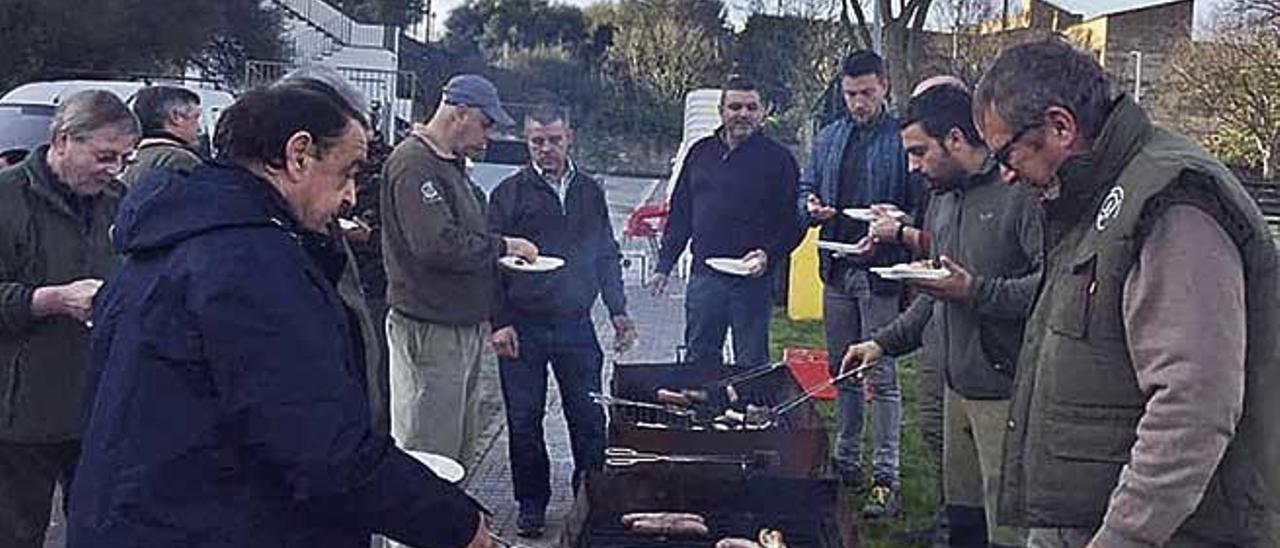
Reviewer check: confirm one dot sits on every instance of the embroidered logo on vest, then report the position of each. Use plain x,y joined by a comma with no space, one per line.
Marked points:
1110,207
430,194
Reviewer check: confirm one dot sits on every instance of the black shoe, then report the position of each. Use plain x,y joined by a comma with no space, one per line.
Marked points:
529,524
882,502
854,481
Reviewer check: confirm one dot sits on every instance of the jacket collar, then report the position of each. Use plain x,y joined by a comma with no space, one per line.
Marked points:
1083,177
161,138
45,184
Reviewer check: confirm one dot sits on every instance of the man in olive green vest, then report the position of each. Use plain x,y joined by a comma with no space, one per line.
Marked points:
1145,409
56,209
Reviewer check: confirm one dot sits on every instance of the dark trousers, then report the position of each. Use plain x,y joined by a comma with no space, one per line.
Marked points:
715,303
573,351
28,473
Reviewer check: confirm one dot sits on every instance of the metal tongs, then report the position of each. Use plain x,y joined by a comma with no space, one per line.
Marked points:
608,400
769,416
625,456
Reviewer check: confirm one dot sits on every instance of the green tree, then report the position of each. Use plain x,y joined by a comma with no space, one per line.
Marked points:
1233,79
490,28
401,13
49,38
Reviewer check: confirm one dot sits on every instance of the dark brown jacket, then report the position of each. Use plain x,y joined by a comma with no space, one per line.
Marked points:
46,238
439,254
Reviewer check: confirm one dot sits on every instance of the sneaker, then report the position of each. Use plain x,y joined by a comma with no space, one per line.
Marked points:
530,523
882,503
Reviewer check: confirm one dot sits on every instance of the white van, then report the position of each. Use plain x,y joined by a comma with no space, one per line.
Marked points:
27,110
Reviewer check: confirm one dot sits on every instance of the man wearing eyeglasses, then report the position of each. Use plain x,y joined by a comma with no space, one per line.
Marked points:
545,317
733,198
56,211
856,162
440,258
1144,408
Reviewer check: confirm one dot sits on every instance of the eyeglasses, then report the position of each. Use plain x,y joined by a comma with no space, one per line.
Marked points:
1002,154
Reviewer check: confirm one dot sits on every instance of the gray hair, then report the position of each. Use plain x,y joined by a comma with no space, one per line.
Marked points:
1028,78
154,104
87,111
335,81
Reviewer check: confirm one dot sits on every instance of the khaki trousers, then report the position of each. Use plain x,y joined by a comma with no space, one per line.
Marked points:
435,380
973,443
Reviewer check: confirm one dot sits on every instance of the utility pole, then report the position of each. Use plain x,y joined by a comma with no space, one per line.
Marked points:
877,27
1136,55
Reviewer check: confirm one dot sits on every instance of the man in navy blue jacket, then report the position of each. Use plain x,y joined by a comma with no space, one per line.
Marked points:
545,317
226,395
858,161
734,197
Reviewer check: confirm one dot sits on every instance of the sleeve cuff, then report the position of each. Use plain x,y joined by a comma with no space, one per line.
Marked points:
1108,537
17,313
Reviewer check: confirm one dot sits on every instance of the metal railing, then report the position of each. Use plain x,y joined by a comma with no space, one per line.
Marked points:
337,25
391,94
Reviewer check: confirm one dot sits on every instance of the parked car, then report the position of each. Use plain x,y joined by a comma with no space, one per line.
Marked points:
503,157
27,110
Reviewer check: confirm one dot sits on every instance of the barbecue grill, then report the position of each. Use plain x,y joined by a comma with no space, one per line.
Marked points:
810,513
798,438
739,480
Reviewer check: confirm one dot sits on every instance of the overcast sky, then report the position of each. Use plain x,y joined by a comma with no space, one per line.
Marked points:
1088,7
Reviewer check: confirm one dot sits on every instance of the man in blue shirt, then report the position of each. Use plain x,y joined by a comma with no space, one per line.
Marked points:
734,198
858,161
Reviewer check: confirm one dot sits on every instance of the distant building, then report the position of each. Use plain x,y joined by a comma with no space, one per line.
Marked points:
1132,43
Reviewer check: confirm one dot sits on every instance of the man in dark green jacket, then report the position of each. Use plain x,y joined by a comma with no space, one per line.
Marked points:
170,118
1145,410
55,215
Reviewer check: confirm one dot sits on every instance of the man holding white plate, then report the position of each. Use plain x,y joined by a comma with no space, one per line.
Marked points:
543,315
976,292
734,198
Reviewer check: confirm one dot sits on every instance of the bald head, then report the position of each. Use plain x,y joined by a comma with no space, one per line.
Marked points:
940,80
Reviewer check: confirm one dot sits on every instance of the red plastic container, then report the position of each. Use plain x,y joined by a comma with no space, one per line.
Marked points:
809,368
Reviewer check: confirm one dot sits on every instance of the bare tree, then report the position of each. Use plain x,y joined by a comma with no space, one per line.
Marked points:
1235,80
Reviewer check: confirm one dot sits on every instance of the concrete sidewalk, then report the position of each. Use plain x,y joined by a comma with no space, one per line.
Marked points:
660,321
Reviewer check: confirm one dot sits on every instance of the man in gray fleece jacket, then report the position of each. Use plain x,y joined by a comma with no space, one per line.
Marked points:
989,236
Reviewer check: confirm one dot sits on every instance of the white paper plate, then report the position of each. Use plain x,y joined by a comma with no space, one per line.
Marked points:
865,215
445,467
843,247
545,263
729,265
898,272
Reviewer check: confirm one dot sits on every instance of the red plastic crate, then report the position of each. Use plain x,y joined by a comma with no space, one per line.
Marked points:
809,368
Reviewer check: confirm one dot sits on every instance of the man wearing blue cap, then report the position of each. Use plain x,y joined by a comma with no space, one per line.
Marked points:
440,256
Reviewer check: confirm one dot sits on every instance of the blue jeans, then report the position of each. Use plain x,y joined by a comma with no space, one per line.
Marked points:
849,319
714,303
571,347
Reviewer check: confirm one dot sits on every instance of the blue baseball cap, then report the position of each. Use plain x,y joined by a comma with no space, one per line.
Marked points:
473,90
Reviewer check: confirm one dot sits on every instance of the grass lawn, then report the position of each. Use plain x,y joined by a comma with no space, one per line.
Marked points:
919,501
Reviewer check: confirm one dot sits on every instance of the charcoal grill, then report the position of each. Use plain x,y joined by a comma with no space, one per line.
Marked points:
809,512
799,438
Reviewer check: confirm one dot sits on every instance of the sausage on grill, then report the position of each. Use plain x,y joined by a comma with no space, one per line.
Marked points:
666,523
737,543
